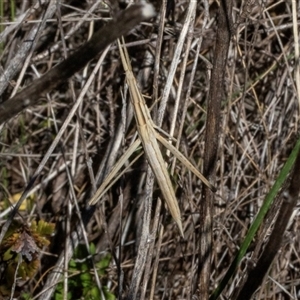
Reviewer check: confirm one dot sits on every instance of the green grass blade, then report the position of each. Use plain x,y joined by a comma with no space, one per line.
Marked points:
258,220
12,10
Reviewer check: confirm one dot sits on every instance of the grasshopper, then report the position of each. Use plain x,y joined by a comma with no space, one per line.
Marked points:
149,137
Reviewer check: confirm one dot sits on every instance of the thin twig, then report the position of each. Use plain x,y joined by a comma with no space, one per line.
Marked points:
212,134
